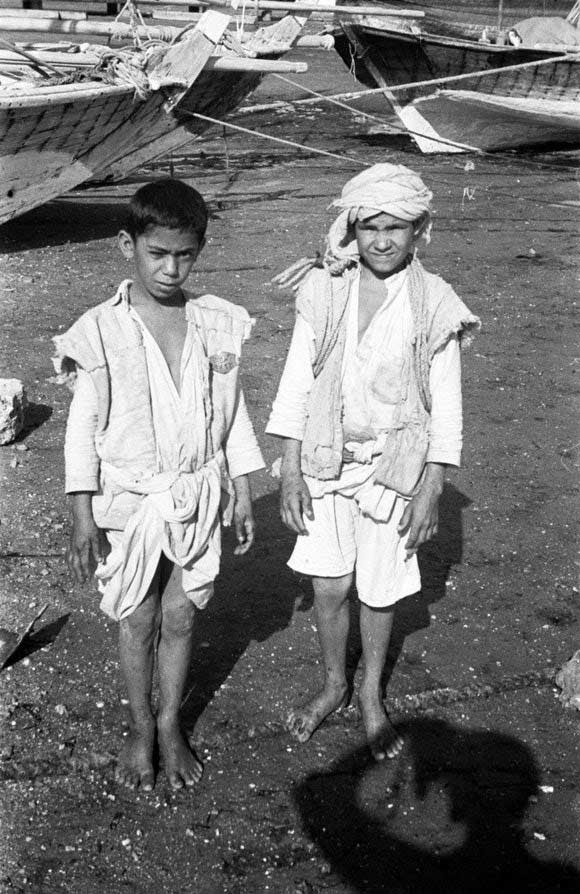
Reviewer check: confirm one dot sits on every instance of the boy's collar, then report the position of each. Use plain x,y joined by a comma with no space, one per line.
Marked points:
122,294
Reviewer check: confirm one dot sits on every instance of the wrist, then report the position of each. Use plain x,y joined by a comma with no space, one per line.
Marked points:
434,479
291,458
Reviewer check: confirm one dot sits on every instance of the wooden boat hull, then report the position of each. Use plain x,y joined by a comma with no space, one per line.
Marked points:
54,138
442,15
496,123
548,95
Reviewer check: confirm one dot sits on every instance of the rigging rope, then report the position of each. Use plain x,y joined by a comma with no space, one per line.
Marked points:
265,136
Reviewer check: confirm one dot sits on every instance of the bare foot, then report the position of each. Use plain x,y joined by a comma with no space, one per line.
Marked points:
182,768
135,764
384,740
301,722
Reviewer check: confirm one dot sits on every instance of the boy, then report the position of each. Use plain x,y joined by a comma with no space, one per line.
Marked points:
369,408
158,432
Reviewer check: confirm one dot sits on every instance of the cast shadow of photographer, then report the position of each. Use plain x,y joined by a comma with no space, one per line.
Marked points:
471,784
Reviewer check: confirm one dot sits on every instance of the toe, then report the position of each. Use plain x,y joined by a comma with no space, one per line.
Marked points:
147,781
175,781
126,777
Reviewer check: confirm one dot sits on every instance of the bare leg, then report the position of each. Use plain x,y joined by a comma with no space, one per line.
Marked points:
332,619
136,647
376,625
173,657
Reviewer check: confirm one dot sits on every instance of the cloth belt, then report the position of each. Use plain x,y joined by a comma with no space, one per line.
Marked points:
177,517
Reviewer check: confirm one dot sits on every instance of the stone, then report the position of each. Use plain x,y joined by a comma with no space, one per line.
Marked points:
568,679
13,404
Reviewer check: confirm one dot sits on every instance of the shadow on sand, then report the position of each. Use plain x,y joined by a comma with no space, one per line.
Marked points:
470,789
256,596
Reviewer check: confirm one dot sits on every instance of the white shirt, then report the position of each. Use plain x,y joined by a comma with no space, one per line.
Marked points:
372,378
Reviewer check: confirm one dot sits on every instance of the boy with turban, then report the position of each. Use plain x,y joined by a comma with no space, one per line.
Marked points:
369,410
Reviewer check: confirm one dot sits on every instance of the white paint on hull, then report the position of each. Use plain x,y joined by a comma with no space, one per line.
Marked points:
488,122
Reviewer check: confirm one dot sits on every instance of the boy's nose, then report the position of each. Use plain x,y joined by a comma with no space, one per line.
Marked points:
171,265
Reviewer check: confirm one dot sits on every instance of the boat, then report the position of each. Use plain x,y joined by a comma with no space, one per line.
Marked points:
72,113
466,87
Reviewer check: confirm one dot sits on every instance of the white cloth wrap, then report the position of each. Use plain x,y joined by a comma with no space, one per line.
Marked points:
177,516
383,188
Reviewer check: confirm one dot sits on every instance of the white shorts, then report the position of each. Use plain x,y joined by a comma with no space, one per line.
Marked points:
341,539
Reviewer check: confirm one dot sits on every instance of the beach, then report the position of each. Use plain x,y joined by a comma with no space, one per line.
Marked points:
485,794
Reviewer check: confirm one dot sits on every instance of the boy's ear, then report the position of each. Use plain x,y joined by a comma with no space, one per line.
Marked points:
127,244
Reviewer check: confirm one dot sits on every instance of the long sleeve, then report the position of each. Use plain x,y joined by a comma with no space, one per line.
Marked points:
446,413
241,448
80,455
288,416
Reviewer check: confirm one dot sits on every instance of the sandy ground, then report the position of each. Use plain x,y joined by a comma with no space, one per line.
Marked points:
485,795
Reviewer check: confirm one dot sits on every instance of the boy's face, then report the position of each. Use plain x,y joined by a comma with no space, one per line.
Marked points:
384,242
162,259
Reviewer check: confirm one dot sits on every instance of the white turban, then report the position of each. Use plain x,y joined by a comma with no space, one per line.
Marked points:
383,188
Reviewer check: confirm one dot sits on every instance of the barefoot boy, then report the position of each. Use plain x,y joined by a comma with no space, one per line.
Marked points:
158,432
369,407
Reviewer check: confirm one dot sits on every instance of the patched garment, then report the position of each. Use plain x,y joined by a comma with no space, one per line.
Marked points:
189,442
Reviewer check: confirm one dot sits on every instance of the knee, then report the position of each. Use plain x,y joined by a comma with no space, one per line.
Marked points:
177,618
142,625
332,590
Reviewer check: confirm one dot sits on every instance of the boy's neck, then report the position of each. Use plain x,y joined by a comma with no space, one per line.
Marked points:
140,297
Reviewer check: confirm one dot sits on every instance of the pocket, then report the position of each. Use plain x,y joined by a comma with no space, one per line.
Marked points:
386,384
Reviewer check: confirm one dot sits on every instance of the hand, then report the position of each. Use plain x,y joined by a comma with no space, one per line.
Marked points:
295,501
421,516
244,523
88,545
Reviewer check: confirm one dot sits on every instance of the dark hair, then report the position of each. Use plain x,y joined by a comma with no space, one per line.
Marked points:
167,203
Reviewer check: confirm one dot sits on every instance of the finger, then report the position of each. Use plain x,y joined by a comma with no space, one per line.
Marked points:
307,504
246,540
297,517
85,561
239,528
76,567
292,517
405,519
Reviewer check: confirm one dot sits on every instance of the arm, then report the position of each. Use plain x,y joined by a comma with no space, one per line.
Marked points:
88,545
288,416
287,421
295,500
80,455
421,516
241,447
243,515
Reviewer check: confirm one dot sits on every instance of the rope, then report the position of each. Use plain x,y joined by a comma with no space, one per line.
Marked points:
419,312
412,85
574,15
265,136
135,20
397,128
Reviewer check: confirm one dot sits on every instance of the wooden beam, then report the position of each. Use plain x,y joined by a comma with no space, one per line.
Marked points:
298,7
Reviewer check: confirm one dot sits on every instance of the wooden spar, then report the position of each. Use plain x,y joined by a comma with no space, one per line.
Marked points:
118,30
238,63
215,63
298,7
43,14
500,15
5,44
